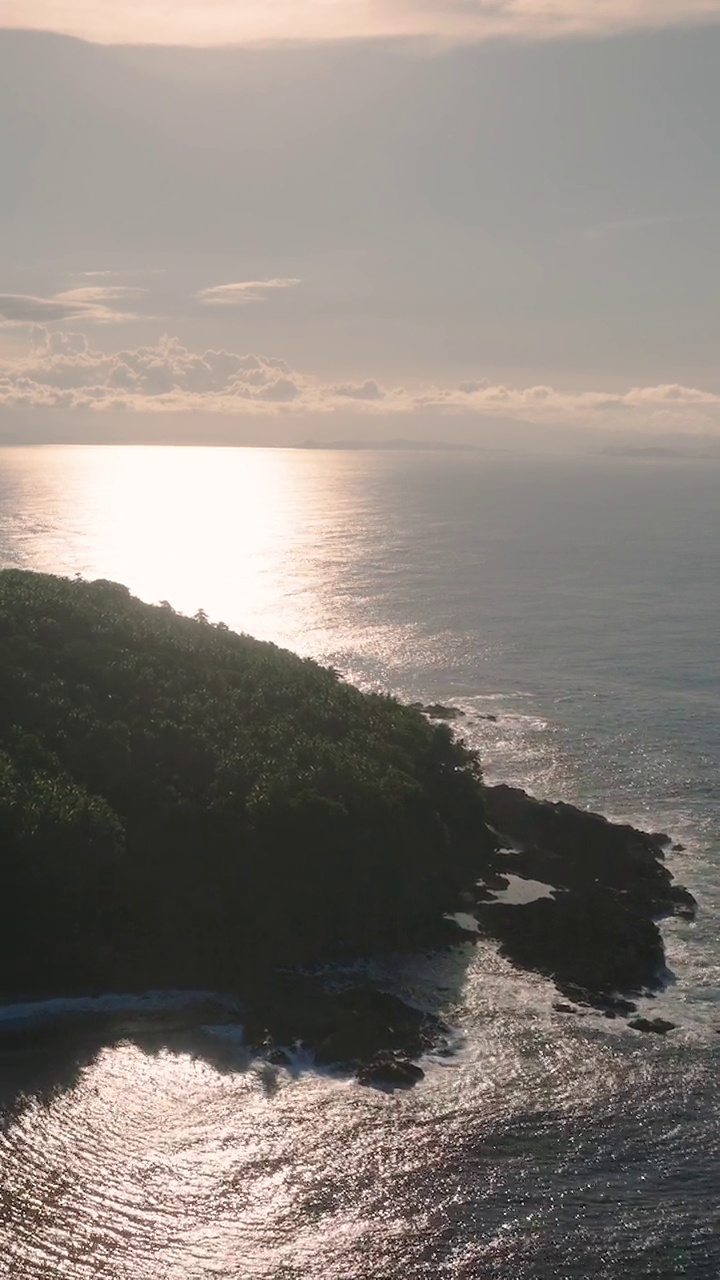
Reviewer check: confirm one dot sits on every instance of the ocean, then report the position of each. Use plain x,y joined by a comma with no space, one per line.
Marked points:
575,599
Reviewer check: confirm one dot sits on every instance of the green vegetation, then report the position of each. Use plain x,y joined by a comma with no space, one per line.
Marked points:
183,805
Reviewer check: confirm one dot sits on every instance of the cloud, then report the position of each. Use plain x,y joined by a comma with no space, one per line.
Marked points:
475,19
367,390
63,370
243,291
216,22
92,302
20,308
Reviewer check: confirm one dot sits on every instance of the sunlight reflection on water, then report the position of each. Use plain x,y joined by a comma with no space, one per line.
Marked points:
295,546
157,1165
191,526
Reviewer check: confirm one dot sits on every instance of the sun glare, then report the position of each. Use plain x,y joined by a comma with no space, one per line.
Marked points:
173,524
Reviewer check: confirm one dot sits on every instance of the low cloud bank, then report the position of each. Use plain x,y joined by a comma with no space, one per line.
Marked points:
62,370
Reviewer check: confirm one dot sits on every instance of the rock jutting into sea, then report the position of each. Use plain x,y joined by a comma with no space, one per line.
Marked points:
660,1026
437,711
596,936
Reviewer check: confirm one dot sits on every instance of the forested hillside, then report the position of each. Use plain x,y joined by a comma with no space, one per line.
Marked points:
181,805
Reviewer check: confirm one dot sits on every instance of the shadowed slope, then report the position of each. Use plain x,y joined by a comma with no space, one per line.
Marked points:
181,805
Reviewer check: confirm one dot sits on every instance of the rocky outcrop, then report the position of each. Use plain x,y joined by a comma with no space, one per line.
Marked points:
660,1026
597,936
576,850
390,1070
436,711
351,1027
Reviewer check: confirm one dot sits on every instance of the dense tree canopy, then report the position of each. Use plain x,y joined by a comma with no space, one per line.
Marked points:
181,804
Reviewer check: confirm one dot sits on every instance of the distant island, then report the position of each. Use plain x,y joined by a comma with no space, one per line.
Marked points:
185,807
693,448
645,451
400,444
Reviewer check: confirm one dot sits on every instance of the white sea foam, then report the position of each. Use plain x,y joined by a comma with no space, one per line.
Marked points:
149,1003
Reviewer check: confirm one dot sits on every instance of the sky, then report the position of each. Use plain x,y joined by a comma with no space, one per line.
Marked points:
336,220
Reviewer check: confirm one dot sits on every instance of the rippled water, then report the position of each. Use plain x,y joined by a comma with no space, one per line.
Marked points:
575,599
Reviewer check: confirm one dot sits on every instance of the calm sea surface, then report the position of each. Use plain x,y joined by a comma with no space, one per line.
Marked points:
576,599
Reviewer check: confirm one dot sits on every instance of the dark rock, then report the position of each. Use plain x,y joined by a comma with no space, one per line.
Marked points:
580,847
590,938
279,1057
436,711
597,937
488,716
390,1069
684,905
576,993
342,1027
561,1007
620,1006
576,850
368,1022
678,848
658,1025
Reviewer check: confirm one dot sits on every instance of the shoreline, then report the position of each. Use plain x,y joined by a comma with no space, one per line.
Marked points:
595,935
188,808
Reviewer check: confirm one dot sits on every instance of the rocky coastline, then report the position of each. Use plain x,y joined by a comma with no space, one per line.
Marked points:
185,808
595,935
